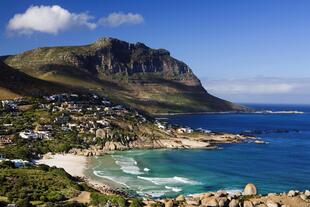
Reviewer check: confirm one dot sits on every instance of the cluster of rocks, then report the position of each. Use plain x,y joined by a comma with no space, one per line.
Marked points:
247,198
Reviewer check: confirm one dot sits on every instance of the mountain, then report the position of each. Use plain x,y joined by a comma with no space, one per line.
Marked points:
145,78
14,84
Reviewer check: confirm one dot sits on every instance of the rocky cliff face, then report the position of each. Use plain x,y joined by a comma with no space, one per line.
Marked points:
110,56
148,79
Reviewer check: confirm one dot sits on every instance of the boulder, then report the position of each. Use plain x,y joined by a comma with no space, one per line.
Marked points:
304,197
248,204
291,193
307,193
194,202
222,201
261,205
220,194
110,146
180,198
271,194
234,203
212,203
270,203
168,203
207,195
250,189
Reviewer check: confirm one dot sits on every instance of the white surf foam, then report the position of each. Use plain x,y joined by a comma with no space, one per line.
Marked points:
233,191
146,169
172,180
153,193
174,189
127,164
279,112
112,178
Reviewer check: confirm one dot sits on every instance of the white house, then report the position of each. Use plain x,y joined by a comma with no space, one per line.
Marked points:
28,134
19,162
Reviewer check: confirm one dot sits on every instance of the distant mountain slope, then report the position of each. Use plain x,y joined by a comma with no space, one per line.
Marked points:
14,83
145,78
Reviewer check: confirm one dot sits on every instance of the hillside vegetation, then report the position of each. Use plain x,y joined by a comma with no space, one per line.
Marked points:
14,84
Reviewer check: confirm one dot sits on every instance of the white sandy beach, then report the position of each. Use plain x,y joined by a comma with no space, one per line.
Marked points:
73,164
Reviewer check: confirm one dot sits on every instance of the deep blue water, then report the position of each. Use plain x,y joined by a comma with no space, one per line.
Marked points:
281,165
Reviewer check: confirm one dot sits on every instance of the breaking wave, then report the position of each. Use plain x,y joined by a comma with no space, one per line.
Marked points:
127,164
172,180
174,189
112,178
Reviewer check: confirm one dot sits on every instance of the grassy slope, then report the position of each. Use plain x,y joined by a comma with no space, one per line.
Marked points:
14,83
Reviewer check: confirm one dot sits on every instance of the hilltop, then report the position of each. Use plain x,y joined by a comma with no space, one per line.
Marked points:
134,74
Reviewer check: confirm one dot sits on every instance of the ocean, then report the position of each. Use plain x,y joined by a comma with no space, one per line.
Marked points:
280,165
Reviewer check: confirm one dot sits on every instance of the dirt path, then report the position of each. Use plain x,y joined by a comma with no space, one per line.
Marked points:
84,197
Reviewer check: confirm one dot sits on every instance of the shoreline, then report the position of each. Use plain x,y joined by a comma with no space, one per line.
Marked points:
76,166
162,115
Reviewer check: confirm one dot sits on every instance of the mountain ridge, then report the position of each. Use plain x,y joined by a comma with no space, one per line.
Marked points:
133,73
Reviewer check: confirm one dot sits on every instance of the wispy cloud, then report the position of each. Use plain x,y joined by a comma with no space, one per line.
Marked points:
261,89
118,18
55,19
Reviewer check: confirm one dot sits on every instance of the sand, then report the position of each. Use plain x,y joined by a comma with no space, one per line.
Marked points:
75,165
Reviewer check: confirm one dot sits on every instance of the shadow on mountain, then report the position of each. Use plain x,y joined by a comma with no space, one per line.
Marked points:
25,85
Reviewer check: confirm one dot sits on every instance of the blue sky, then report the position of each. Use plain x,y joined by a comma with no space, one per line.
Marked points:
242,50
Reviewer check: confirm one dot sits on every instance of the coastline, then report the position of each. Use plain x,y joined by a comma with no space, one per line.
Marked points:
76,166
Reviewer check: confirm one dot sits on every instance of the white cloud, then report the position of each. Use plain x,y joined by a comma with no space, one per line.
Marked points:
118,18
48,19
258,86
261,89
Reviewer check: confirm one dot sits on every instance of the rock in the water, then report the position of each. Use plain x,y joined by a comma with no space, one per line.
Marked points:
248,204
234,203
169,203
180,198
272,204
250,189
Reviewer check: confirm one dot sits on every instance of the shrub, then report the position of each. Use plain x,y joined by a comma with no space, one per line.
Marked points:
99,199
135,202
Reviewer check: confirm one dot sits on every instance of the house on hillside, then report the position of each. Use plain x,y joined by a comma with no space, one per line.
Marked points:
28,134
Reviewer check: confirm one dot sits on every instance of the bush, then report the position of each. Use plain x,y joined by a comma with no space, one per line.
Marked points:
158,204
135,202
23,203
55,196
99,199
7,164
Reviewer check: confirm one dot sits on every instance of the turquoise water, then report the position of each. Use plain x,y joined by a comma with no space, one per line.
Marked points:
281,165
